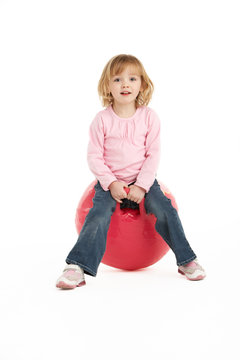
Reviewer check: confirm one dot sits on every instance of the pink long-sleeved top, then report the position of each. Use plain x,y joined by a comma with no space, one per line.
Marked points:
124,149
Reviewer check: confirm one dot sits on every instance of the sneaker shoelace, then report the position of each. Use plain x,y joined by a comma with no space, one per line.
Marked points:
189,268
72,275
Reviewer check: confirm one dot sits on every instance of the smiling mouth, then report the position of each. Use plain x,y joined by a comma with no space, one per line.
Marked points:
125,93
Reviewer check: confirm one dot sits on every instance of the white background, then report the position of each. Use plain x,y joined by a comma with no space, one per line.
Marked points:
52,56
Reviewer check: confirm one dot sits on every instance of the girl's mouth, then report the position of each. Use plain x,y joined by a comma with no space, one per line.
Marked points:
125,93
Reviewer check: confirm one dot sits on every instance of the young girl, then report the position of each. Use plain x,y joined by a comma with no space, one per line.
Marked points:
123,151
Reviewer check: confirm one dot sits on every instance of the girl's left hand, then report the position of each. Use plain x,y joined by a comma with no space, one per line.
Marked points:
136,193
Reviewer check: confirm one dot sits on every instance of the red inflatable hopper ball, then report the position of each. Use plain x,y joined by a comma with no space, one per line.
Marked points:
132,240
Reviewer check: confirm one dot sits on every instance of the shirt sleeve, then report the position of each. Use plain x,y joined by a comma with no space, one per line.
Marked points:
95,153
148,171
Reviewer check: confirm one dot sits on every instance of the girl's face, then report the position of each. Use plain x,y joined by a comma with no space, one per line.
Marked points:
125,87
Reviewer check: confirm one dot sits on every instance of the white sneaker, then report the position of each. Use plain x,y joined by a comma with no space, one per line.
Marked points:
71,277
192,270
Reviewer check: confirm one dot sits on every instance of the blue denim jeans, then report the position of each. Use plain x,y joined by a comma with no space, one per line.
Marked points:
91,244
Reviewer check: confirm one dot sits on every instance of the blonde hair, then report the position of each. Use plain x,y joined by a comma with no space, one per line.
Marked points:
115,66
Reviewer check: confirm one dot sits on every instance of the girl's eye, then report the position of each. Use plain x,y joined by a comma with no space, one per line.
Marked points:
117,79
133,78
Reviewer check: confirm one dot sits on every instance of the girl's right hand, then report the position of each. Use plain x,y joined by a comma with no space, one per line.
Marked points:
117,190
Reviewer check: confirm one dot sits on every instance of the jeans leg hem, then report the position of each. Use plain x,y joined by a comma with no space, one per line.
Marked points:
186,261
86,269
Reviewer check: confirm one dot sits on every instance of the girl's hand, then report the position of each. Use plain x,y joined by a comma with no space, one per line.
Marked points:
117,190
136,193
